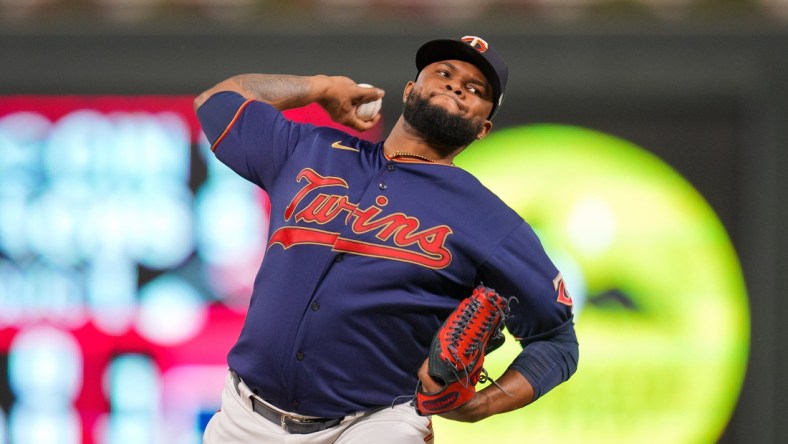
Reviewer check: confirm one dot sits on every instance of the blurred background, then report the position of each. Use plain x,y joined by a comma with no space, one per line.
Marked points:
643,139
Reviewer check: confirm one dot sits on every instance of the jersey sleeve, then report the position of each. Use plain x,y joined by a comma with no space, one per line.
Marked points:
519,267
541,317
251,137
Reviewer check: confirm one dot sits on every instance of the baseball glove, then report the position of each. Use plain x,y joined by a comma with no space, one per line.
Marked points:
457,352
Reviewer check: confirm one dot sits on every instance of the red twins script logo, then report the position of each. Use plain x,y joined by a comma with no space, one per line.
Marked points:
430,250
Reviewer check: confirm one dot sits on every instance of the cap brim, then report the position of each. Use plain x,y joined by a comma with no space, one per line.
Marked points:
439,50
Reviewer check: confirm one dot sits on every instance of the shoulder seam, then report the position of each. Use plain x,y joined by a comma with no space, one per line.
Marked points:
230,125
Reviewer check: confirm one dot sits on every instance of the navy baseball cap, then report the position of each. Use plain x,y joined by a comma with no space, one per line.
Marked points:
473,50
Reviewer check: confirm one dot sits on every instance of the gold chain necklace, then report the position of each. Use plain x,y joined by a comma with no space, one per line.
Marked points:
416,156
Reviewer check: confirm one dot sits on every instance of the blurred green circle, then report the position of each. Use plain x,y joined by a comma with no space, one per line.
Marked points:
661,314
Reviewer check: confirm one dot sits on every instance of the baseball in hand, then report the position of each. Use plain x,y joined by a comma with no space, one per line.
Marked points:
367,111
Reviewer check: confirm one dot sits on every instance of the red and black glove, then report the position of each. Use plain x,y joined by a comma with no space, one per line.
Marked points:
457,352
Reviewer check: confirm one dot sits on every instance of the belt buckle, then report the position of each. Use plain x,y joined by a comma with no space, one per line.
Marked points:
295,420
283,420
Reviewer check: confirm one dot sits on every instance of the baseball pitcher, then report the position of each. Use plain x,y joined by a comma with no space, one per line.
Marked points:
389,272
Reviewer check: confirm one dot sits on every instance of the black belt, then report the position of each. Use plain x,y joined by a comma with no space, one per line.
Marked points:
298,425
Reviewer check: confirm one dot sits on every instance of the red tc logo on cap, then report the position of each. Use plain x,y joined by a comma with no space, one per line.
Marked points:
477,42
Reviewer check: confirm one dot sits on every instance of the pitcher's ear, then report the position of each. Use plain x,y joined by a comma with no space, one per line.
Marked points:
408,88
486,128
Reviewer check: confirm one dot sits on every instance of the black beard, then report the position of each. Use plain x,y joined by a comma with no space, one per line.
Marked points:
437,126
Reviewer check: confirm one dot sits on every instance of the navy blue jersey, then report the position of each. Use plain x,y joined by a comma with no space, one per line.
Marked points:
366,257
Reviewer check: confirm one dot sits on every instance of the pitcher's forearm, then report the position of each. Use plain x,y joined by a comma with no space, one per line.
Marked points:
281,91
512,392
339,96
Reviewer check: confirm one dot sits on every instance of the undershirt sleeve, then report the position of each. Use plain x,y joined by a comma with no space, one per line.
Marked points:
549,362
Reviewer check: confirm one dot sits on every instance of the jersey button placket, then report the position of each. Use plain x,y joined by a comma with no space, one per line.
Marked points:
391,167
